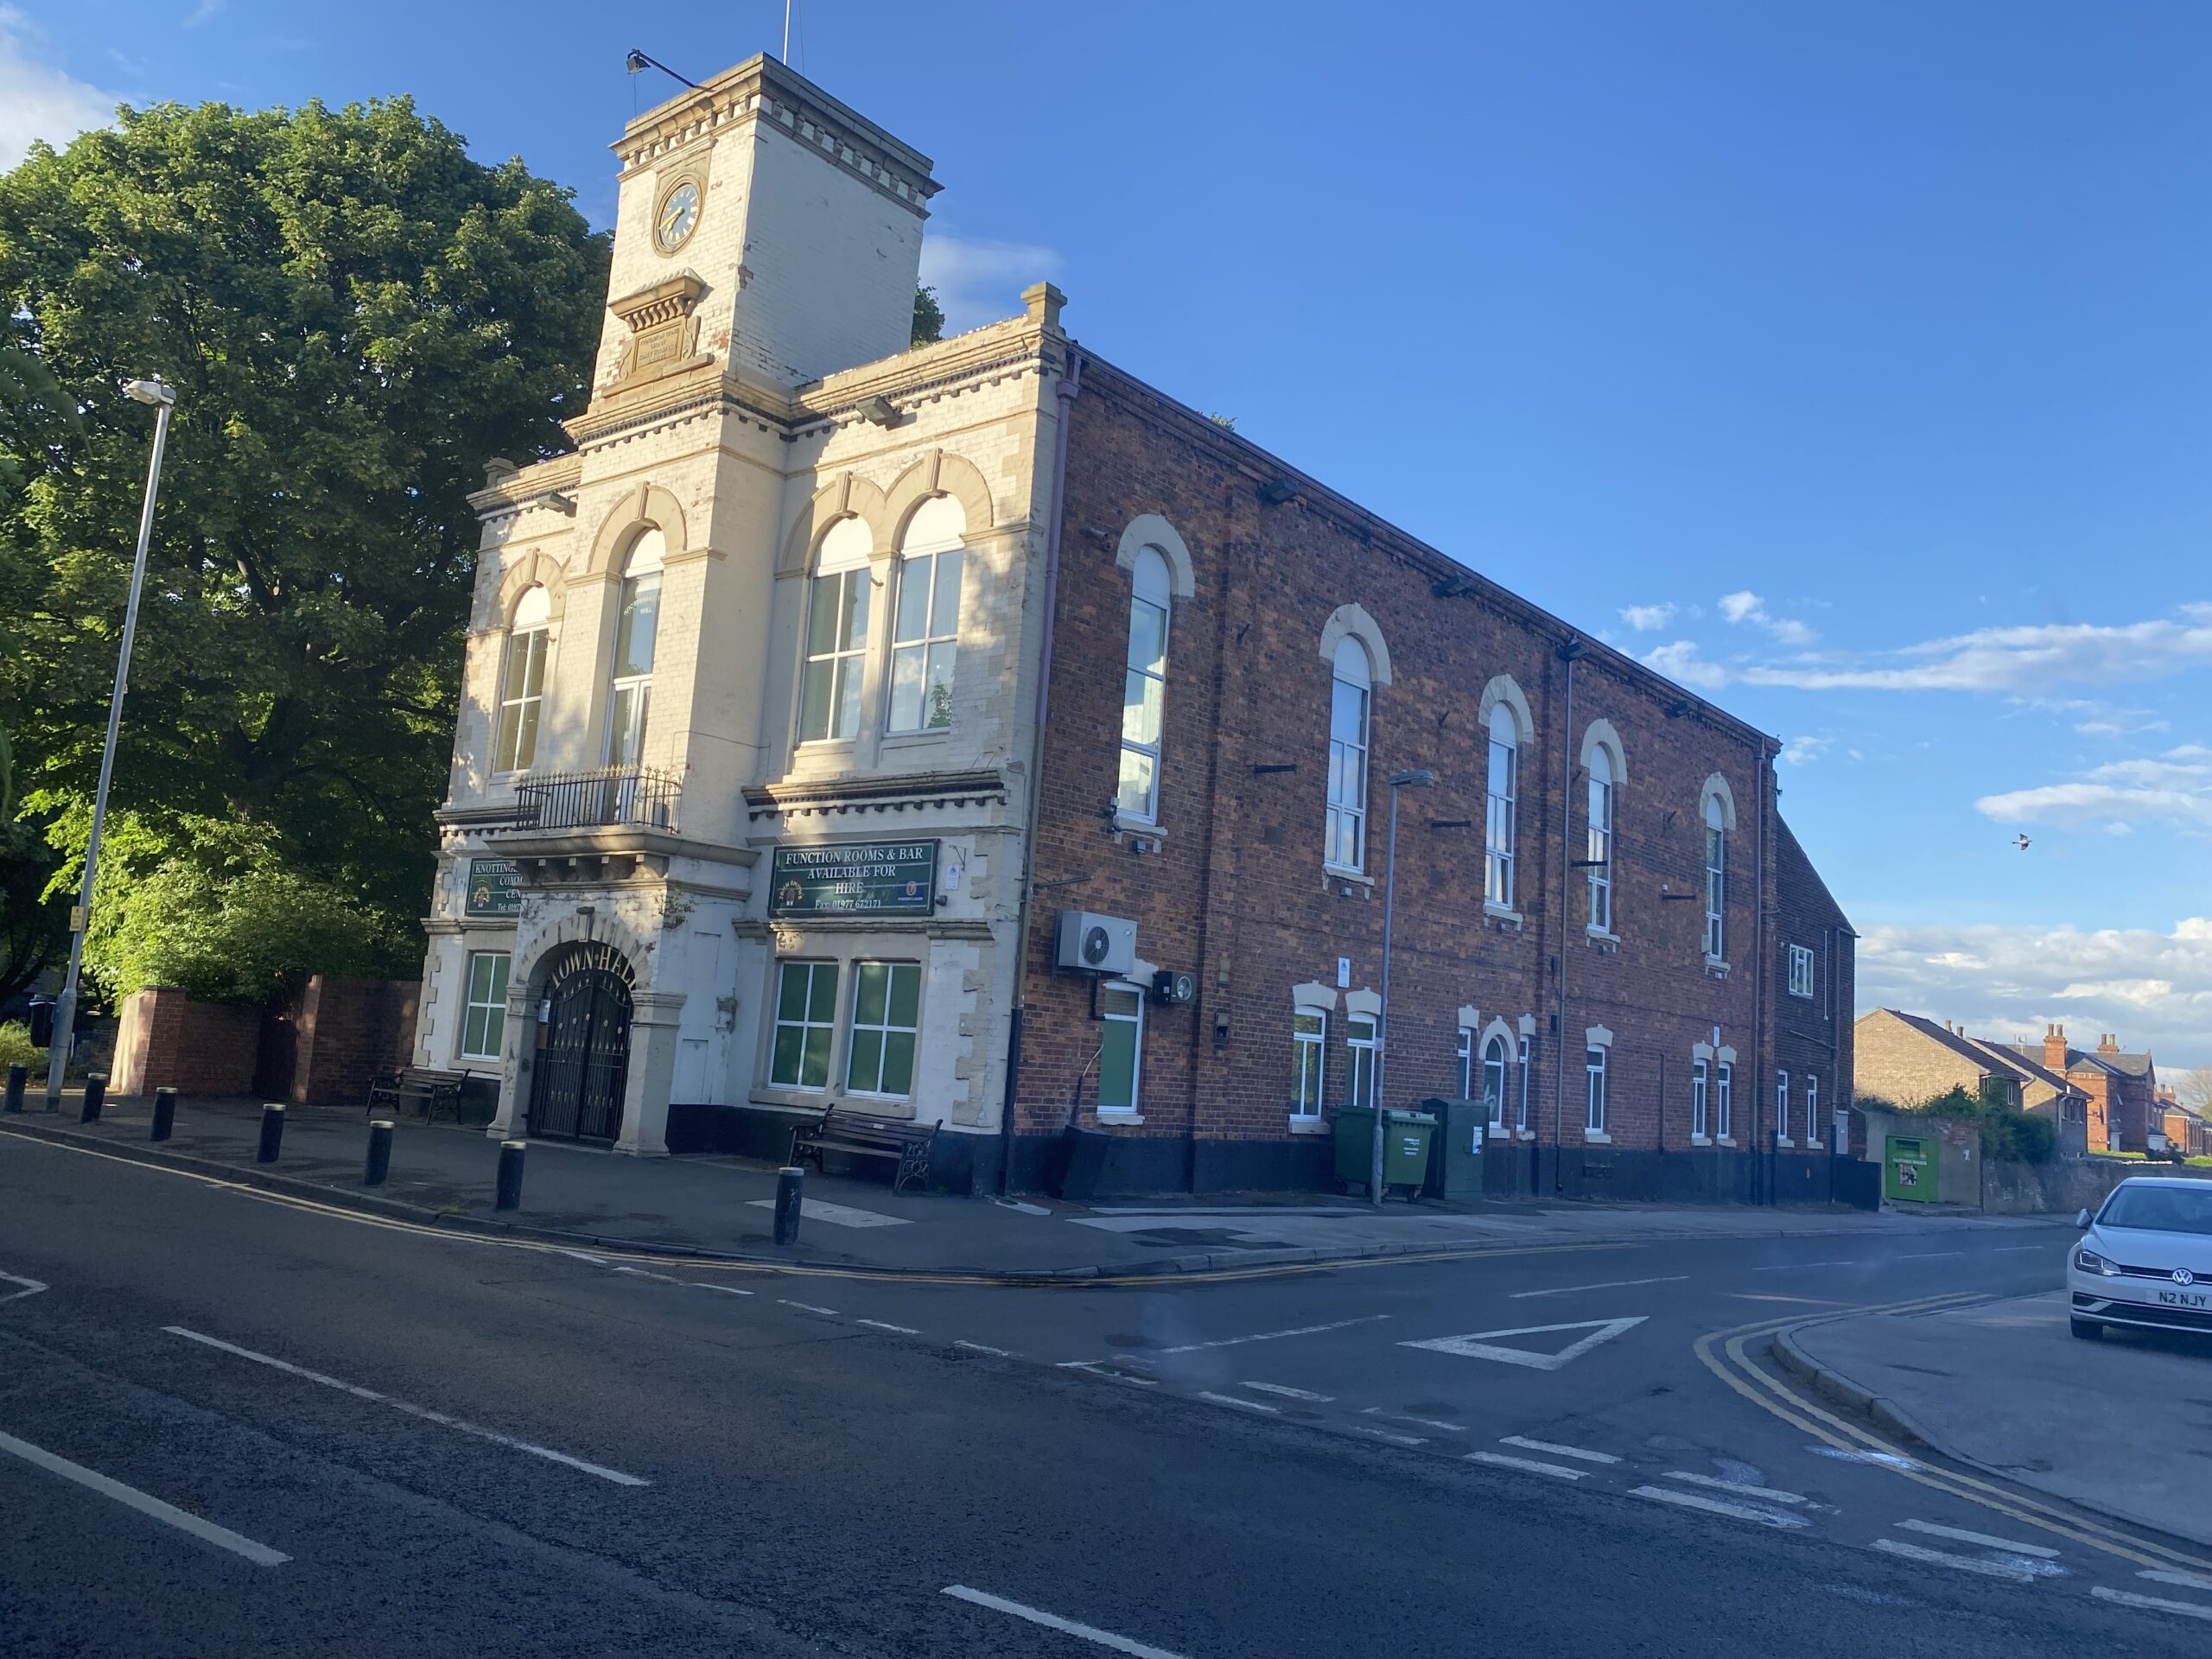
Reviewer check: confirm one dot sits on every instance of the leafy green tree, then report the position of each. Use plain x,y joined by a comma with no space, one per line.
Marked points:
355,314
35,414
929,317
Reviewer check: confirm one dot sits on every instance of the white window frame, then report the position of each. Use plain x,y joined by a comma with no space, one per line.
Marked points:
1521,1112
629,695
514,733
1463,1052
1309,1062
1724,1100
885,1029
842,578
1716,882
1701,1083
1110,1017
1345,836
930,541
1782,1108
1812,1111
493,1005
1360,1053
806,1023
1800,970
1496,1118
1598,847
1595,1057
1501,797
1150,589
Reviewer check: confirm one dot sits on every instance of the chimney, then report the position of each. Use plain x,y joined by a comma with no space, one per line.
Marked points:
2054,1049
2108,1043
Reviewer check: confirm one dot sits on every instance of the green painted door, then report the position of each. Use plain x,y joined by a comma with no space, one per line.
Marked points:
1909,1170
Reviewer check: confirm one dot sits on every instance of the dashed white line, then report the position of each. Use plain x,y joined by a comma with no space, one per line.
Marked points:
424,1412
2186,1580
1388,1434
584,1256
1987,1541
1054,1621
2018,1571
1801,1266
1529,1466
640,1272
1741,1489
1719,1506
1557,1450
1610,1284
1099,1368
727,1290
886,1325
1407,1417
981,1348
1289,1393
2017,1249
1274,1336
131,1498
807,1307
1922,1255
1242,1405
2157,1604
30,1287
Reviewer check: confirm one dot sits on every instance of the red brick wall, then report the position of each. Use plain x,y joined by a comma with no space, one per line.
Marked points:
169,1040
320,1049
1237,893
1812,1036
347,1030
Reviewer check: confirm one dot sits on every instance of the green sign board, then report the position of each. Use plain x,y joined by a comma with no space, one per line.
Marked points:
493,888
1909,1170
883,878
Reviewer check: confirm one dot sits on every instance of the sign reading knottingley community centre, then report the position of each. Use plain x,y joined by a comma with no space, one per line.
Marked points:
895,877
492,888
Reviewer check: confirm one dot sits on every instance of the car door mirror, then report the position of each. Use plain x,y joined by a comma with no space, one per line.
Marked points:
2083,1221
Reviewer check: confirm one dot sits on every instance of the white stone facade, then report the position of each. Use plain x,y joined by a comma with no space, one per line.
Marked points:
755,400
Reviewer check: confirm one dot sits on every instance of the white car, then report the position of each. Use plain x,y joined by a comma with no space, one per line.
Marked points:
2147,1258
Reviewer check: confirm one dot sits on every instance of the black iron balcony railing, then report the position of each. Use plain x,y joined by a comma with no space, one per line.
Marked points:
605,795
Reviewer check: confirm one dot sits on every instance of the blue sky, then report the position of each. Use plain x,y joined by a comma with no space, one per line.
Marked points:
1848,361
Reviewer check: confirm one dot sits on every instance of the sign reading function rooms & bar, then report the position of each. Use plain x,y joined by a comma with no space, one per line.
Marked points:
896,878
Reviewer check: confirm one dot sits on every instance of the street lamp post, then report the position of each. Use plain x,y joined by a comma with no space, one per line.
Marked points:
1417,778
162,397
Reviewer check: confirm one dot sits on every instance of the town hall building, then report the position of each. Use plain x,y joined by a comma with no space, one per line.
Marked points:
970,736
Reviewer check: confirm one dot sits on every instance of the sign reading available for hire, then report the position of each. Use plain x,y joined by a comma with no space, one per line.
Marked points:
896,878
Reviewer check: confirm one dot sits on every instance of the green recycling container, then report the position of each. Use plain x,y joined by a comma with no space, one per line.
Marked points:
1404,1147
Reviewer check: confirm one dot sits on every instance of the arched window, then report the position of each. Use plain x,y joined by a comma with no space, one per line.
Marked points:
1599,842
637,624
926,627
1144,689
1716,880
1345,846
1504,790
522,684
1812,1111
1493,1083
837,634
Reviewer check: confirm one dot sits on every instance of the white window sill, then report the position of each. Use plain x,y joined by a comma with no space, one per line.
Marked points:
1784,1140
1802,996
1728,1140
908,739
1309,1126
1341,873
1110,1119
1717,966
1502,915
1524,1134
1598,1137
877,1105
1128,824
1700,1140
1606,942
826,744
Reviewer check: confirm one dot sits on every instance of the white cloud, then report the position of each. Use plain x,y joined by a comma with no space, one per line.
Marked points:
2021,659
1680,661
981,282
202,12
1645,618
38,100
1804,748
1748,607
2175,787
2004,983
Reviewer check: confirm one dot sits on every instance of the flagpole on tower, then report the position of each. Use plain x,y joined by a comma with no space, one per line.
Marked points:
787,32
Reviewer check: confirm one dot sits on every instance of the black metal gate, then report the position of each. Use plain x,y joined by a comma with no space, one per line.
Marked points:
576,1090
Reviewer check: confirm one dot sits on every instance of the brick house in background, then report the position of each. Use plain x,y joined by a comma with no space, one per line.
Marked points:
1813,1034
1909,1060
2184,1127
2120,1088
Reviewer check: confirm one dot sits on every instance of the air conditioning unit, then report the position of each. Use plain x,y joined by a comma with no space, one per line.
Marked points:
1176,990
1096,945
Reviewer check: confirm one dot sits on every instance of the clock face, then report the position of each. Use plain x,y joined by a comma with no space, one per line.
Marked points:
679,212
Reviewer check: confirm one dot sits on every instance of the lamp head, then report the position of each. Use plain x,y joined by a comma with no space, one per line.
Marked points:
637,63
1416,777
155,392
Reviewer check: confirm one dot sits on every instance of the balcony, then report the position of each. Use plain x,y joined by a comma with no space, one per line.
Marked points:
603,798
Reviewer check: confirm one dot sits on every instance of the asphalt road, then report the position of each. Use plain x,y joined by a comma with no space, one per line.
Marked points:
488,1449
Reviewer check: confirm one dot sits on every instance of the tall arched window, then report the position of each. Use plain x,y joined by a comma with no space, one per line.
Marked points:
926,627
837,634
1599,844
1504,790
1493,1083
637,623
522,684
1144,689
1716,880
1349,691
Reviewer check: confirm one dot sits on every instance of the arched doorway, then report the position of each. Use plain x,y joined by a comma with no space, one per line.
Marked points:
576,1084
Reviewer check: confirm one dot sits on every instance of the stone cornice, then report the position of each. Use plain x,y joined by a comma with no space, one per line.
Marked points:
511,492
877,792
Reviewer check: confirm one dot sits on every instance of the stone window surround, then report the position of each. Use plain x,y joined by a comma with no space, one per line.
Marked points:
1598,1038
1313,997
846,950
1714,1058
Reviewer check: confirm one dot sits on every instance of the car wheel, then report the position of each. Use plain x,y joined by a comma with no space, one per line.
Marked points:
2089,1330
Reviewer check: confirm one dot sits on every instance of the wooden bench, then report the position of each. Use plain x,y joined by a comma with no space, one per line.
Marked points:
398,1090
862,1136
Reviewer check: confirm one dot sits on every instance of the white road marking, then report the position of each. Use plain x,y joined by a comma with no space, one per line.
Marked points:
1289,1393
1986,1539
1531,1465
657,1278
1884,1459
886,1325
981,1348
1801,1266
1386,1434
1054,1621
1557,1450
2159,1604
1922,1255
1610,1284
1016,1203
424,1412
2017,1249
131,1498
1801,1301
1099,1368
1407,1417
30,1287
806,1308
1231,1399
837,1214
1473,1346
1274,1336
727,1290
584,1255
1742,1489
1719,1506
2017,1571
2186,1580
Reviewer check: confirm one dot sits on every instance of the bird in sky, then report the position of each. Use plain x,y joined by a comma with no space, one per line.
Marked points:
2021,842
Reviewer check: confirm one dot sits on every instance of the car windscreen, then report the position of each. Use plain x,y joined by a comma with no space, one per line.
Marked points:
2159,1209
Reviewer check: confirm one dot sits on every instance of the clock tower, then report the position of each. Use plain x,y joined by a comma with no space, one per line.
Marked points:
765,227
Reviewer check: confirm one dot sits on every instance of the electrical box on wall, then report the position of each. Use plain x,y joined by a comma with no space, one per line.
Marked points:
1176,990
1090,944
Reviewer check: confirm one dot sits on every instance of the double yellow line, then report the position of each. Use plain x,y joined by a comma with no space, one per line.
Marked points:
1727,1355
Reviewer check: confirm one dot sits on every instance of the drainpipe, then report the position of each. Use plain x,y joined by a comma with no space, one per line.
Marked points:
1760,1058
1071,383
1568,653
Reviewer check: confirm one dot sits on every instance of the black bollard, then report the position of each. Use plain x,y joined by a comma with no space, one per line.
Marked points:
789,1185
164,1113
272,1132
510,1195
95,1095
379,1164
18,1077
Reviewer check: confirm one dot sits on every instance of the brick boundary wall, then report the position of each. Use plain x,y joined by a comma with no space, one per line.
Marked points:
169,1040
320,1049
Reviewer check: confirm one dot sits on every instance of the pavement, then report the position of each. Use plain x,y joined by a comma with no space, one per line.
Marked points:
441,1174
233,1421
2122,1425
